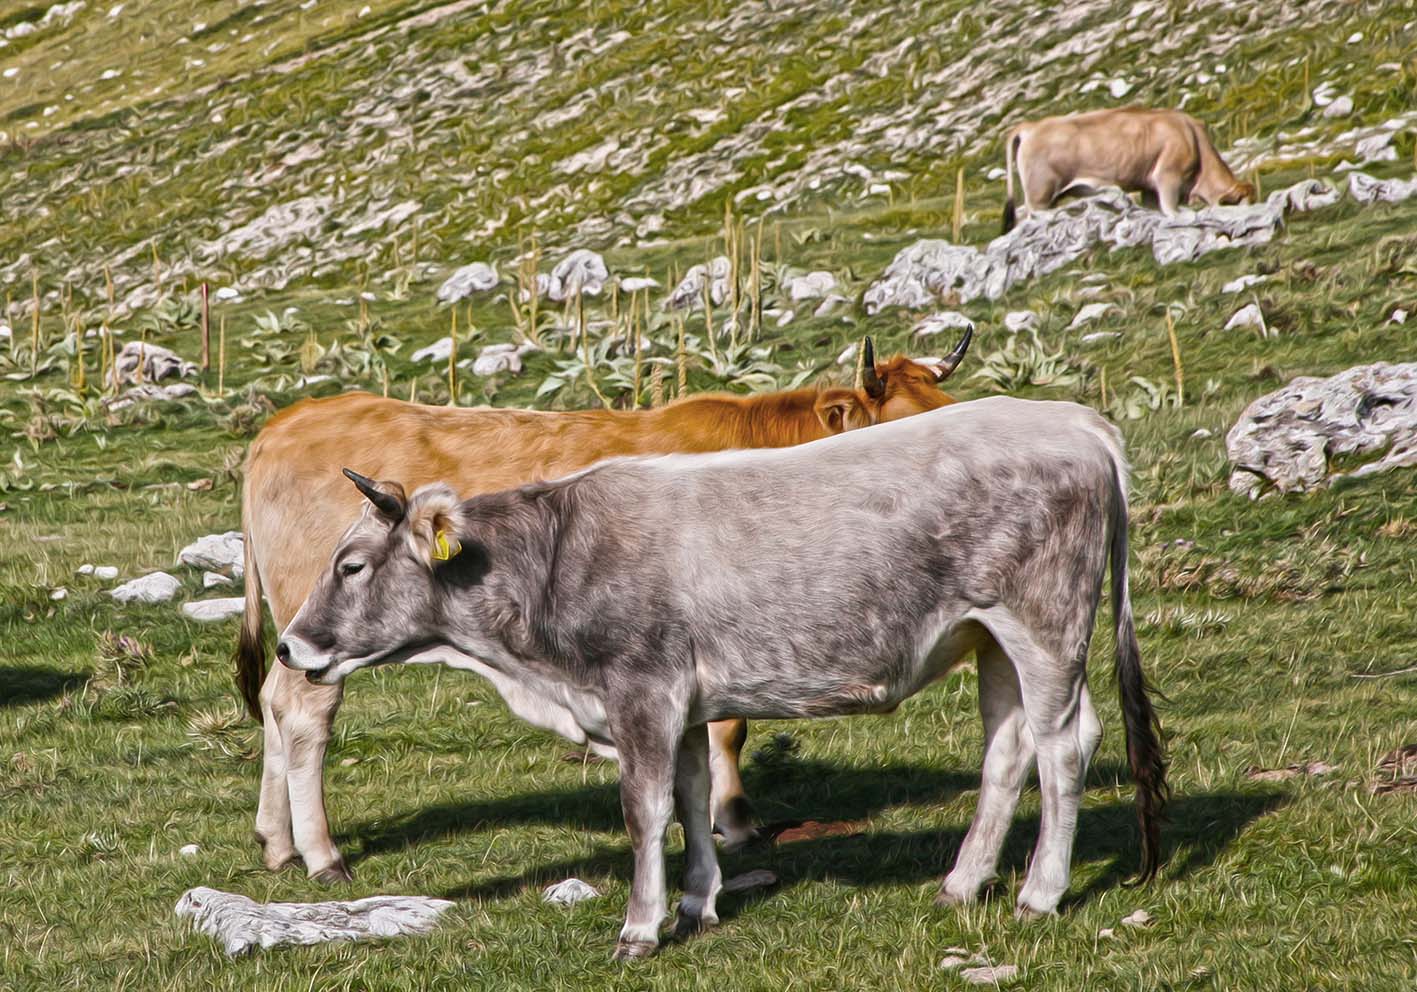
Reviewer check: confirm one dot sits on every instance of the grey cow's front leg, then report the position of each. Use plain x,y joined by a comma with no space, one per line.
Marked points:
702,878
648,731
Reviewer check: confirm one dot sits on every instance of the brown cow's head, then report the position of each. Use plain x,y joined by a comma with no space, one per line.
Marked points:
903,387
376,598
1238,193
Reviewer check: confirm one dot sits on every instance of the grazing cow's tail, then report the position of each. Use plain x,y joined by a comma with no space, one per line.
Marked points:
1011,142
250,645
1145,753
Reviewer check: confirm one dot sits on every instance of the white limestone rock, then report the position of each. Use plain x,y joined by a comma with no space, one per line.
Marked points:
478,277
212,610
216,553
155,587
569,892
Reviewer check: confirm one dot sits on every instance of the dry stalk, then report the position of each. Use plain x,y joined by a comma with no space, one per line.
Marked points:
1176,361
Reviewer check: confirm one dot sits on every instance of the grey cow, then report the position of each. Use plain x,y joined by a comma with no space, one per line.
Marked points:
633,602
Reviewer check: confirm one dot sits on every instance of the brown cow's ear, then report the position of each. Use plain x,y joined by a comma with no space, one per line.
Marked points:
840,410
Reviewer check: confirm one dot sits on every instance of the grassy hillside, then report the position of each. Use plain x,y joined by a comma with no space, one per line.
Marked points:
334,163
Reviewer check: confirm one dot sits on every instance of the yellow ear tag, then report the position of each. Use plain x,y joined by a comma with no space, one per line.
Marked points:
443,549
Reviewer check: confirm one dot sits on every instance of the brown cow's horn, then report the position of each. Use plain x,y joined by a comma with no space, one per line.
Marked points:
951,361
386,503
870,381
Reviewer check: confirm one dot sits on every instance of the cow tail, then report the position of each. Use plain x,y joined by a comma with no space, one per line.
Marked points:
1145,752
251,643
1011,142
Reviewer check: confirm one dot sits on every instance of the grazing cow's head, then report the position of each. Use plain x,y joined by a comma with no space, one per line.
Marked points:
903,387
378,596
1239,193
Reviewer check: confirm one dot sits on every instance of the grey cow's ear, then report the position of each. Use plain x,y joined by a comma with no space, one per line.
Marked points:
388,497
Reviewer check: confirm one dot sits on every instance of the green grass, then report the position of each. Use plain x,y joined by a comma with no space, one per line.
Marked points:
1254,632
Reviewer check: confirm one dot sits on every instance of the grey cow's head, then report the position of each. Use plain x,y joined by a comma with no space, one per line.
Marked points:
381,594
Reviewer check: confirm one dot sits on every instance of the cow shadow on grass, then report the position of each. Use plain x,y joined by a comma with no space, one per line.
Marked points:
23,684
1199,828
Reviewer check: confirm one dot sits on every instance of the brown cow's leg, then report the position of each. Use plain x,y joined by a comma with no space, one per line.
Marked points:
702,878
304,715
273,830
732,813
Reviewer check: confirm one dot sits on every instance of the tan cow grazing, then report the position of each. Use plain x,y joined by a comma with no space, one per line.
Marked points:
1166,155
296,504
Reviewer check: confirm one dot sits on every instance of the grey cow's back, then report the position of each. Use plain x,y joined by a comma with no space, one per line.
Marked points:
794,573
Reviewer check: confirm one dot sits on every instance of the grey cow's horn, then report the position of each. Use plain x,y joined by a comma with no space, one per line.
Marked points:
951,361
387,503
870,381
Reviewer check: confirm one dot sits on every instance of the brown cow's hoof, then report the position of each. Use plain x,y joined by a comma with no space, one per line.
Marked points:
630,950
334,874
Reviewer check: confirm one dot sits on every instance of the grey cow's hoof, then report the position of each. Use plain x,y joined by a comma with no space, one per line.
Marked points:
334,874
630,950
686,926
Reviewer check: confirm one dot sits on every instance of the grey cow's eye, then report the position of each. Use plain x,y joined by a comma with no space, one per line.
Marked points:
351,567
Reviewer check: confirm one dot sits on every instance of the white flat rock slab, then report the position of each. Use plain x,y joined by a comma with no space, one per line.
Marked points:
242,924
212,610
155,587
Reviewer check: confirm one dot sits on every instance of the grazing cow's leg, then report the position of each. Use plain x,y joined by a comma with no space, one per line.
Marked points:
1008,755
648,731
1066,732
273,830
304,714
732,813
702,878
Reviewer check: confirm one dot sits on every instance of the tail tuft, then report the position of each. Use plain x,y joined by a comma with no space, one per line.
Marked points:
1010,216
251,643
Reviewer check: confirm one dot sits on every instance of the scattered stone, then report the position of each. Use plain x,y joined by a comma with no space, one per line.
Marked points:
785,317
210,579
84,569
634,284
936,323
1095,336
212,610
200,485
1312,769
812,286
151,394
216,553
990,974
1195,233
1020,320
1139,918
1242,283
569,892
1248,315
188,850
478,277
758,878
1106,933
158,363
59,594
497,358
1305,195
956,957
1376,148
1399,316
1119,88
105,572
690,291
242,924
227,294
830,305
582,272
437,352
1365,189
1285,438
155,587
1201,434
1340,107
848,354
1091,312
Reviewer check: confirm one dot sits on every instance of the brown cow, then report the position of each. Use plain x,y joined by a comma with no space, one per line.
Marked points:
296,504
1166,155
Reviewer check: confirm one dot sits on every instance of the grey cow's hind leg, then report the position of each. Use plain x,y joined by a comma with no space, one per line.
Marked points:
1008,755
702,878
